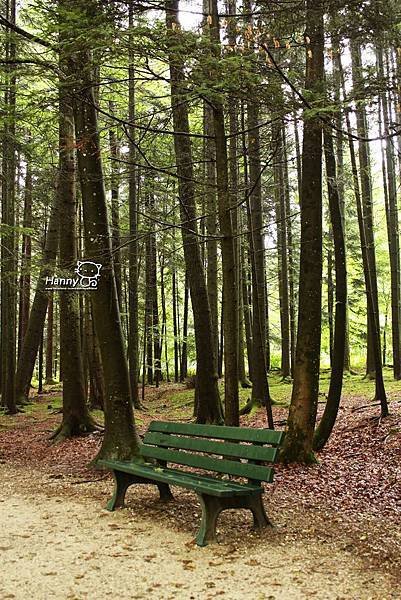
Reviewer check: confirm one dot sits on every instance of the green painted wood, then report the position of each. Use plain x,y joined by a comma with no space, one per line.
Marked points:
250,471
244,434
198,483
224,448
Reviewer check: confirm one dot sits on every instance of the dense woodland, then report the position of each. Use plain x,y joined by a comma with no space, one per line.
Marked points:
234,167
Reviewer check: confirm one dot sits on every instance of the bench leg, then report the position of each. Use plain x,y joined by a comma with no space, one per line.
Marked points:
260,518
165,492
122,481
211,508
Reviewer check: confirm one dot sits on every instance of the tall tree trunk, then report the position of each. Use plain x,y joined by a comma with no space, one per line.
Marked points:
175,327
392,227
115,206
290,250
371,295
366,196
329,416
302,416
341,178
49,341
120,441
25,277
184,353
133,340
30,346
208,404
8,247
282,250
76,418
230,298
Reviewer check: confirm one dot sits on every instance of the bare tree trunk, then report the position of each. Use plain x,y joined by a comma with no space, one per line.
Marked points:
8,248
29,350
49,341
366,196
230,298
25,277
120,441
115,206
390,183
133,338
373,315
76,417
302,416
208,404
329,416
282,250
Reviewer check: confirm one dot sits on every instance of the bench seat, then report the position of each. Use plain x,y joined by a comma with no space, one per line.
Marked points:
232,452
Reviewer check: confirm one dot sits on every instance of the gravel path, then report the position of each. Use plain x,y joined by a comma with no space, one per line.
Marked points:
62,545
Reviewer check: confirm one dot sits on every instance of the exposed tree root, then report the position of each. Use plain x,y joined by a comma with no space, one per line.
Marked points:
71,428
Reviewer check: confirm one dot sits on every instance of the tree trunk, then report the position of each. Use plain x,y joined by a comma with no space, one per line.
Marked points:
133,339
282,250
25,277
120,440
76,417
392,227
8,246
49,341
115,206
371,295
29,350
208,405
329,416
366,197
302,416
230,298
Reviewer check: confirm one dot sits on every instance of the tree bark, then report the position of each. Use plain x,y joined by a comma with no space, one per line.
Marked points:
302,416
208,405
329,416
76,417
230,298
120,441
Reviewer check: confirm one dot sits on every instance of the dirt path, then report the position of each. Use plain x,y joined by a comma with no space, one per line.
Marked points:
59,543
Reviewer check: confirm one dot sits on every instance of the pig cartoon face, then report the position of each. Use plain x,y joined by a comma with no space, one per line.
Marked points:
89,272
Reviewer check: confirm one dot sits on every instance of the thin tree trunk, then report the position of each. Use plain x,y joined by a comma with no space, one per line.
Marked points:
25,277
373,315
390,183
366,197
230,297
184,352
133,340
49,341
329,416
29,350
115,206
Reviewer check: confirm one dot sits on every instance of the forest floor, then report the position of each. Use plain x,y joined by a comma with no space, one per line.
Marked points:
337,524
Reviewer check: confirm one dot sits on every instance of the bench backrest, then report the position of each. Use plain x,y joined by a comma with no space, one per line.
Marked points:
208,447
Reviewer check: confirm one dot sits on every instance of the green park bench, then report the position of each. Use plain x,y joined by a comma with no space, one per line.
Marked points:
230,451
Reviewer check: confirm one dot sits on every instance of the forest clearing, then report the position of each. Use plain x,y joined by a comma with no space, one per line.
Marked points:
336,534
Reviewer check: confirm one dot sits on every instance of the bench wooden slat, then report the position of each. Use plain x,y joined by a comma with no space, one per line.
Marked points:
250,471
224,448
244,434
203,485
